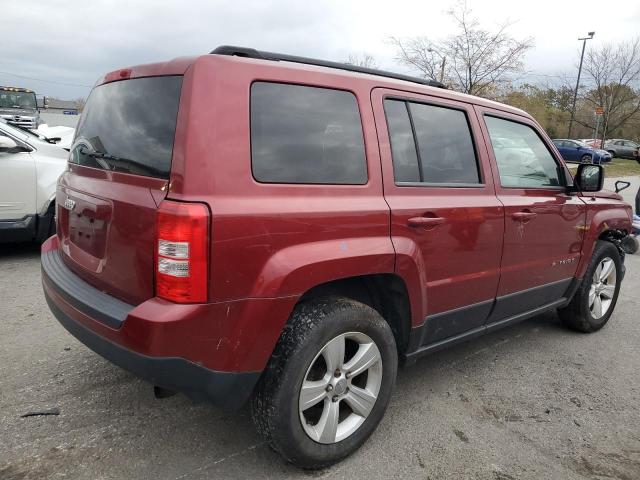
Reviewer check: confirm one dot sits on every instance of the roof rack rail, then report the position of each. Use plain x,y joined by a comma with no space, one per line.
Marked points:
253,53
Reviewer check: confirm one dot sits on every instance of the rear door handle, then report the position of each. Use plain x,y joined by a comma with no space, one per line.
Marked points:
425,222
523,216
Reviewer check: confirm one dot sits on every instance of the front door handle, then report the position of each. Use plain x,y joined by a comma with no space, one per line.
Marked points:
425,222
524,216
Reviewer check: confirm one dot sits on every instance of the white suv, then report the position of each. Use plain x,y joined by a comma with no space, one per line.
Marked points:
29,171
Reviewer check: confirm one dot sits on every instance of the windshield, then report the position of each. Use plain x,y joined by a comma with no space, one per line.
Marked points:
128,126
12,99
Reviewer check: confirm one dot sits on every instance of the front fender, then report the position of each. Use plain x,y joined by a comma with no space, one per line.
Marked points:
603,214
298,268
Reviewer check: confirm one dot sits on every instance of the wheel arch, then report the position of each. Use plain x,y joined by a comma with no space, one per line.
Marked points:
386,293
610,224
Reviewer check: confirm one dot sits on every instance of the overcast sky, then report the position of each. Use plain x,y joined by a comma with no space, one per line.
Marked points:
65,45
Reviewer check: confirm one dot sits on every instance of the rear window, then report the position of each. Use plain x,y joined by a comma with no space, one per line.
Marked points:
305,134
129,126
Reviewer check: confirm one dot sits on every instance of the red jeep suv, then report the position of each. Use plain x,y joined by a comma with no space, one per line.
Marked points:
250,225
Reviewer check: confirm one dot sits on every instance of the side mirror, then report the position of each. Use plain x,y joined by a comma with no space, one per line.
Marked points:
45,102
589,178
7,144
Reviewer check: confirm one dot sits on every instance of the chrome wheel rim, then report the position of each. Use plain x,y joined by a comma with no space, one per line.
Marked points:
340,388
603,288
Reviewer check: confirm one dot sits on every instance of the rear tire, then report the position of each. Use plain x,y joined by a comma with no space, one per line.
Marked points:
595,300
305,357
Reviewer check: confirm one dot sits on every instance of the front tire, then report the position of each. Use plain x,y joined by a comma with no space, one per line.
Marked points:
328,382
595,300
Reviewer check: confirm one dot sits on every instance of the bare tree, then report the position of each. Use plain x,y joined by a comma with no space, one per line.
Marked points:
473,60
80,103
614,71
362,60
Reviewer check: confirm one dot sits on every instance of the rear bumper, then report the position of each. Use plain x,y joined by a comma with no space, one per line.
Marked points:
225,389
214,352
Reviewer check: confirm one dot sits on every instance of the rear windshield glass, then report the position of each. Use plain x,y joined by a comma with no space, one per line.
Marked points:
129,126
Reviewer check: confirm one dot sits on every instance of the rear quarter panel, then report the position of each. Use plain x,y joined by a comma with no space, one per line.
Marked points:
272,240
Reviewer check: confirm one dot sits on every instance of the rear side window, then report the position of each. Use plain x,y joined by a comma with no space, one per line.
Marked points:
524,161
129,126
303,134
431,144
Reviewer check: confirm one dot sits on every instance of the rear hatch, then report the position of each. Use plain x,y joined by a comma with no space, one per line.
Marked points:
119,168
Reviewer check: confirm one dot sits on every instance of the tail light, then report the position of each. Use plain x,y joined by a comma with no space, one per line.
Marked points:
182,243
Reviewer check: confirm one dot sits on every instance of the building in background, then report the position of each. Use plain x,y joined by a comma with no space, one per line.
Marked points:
59,112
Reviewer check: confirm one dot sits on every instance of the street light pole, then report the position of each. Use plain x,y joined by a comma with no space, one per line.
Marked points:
575,93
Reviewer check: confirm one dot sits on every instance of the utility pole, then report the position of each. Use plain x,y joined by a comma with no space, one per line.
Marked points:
575,93
442,65
444,60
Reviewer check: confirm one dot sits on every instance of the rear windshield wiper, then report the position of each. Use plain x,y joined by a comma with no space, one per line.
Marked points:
100,157
107,156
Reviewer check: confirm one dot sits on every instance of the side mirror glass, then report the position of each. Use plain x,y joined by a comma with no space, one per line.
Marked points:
589,178
7,144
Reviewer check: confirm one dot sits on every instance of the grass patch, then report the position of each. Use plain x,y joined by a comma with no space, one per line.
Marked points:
618,167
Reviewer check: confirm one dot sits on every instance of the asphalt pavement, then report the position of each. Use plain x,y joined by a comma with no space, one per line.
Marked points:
531,401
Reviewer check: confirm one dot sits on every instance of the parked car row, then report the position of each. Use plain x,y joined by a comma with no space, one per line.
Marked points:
580,152
587,151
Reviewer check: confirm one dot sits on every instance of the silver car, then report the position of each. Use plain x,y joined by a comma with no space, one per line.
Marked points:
621,148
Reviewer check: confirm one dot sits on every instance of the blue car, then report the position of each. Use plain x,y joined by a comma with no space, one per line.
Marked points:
580,152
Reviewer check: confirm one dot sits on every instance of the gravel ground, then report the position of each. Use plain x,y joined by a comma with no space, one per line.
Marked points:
531,401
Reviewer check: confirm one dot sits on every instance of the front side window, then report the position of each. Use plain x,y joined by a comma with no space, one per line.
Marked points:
303,134
442,151
526,162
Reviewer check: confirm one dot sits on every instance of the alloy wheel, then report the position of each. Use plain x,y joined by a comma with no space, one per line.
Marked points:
603,288
340,388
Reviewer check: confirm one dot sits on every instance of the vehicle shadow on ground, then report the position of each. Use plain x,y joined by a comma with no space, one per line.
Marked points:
19,251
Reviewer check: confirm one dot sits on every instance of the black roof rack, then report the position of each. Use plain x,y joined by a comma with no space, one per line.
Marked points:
253,53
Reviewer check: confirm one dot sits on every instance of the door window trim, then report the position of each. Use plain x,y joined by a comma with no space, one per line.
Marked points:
560,165
434,103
